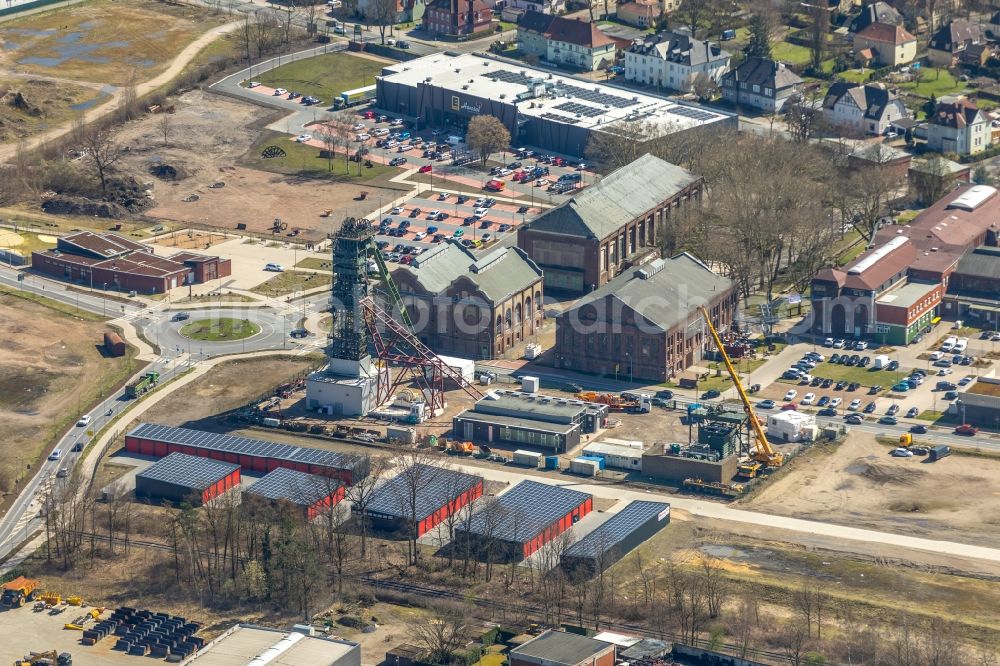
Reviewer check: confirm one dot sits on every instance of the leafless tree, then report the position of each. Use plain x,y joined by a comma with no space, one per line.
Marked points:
705,87
361,492
166,123
381,13
443,634
868,192
715,584
933,179
418,470
102,152
128,105
331,531
793,638
487,135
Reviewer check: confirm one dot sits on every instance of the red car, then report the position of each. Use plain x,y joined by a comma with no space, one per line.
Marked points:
966,429
369,115
558,161
790,406
425,168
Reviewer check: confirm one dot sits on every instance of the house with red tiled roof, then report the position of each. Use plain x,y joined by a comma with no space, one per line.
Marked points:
453,18
893,290
958,126
562,41
889,44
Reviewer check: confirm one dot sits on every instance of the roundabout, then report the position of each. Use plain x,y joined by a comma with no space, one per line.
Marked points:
219,331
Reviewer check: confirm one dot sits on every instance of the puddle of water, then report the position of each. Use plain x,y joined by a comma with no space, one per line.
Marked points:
28,32
89,103
144,63
69,48
723,551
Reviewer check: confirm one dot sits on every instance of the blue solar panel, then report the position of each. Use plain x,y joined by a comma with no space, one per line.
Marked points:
617,528
526,510
293,486
188,471
435,486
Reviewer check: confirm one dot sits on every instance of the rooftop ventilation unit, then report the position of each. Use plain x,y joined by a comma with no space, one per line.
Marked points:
651,269
973,197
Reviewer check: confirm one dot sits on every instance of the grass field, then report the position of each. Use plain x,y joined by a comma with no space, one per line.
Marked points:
793,54
304,161
863,376
934,81
292,281
316,263
324,76
218,330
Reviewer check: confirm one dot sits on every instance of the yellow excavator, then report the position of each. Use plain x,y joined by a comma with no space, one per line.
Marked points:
764,454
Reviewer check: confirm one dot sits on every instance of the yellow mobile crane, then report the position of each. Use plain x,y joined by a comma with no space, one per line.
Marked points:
764,454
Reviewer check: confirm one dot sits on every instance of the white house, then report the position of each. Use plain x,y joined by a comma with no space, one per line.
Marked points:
868,109
958,127
673,60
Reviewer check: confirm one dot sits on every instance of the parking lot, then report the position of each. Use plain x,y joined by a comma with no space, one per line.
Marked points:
861,384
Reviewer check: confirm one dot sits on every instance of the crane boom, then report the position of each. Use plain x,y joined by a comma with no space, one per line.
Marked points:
765,452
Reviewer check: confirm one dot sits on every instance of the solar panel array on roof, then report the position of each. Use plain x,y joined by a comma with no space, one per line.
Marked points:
293,486
588,95
508,77
689,112
189,471
245,445
581,109
560,118
528,508
436,487
616,529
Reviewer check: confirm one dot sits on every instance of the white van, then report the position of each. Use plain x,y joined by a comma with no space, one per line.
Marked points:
961,345
949,343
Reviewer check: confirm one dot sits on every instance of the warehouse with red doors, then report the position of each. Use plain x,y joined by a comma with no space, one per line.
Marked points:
309,494
395,507
183,478
528,516
254,455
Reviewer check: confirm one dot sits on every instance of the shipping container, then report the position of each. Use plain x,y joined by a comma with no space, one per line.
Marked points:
529,384
527,458
400,434
584,466
597,459
938,452
113,344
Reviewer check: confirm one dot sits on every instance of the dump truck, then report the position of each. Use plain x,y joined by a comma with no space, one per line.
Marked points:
18,591
142,385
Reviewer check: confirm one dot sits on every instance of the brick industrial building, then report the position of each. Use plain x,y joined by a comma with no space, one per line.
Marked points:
612,225
472,306
111,261
893,291
645,324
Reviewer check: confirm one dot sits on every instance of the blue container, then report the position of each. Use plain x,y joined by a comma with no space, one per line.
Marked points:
551,462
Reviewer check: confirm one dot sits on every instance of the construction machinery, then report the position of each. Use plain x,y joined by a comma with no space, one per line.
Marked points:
906,440
18,591
142,385
461,448
50,658
714,487
79,623
615,402
763,454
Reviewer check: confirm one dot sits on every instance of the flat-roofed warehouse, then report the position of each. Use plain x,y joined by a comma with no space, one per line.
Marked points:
247,644
182,478
255,455
421,496
540,108
531,419
522,520
615,538
309,493
561,648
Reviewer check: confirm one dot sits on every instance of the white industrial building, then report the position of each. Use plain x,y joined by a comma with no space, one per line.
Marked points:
791,426
617,456
246,644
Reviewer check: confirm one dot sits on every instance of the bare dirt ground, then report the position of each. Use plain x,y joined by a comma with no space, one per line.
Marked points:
206,137
859,484
229,386
50,369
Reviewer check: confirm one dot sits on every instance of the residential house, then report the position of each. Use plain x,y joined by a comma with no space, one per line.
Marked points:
645,322
868,109
760,83
640,13
674,60
610,226
885,44
472,306
958,127
454,18
563,41
524,7
876,12
955,39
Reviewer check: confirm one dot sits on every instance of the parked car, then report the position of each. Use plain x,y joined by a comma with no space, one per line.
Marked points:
790,394
855,404
808,398
823,401
912,412
426,168
835,402
766,404
893,409
901,453
274,268
869,408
